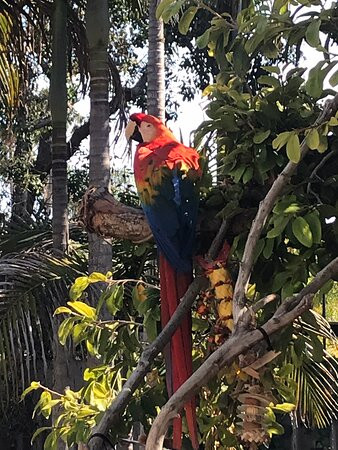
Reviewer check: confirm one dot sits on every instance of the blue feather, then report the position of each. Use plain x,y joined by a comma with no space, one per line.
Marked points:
172,218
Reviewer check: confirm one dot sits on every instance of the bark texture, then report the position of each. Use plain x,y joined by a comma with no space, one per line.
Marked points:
97,20
155,70
102,214
58,102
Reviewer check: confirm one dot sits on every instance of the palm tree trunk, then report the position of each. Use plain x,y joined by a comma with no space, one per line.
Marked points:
97,24
156,68
58,102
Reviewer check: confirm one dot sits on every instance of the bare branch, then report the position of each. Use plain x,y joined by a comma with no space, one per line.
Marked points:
238,343
264,210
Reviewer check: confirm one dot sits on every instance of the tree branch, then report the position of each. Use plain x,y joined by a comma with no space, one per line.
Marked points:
330,109
113,413
238,343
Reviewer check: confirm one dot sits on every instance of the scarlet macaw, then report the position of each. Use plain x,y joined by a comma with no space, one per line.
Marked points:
166,175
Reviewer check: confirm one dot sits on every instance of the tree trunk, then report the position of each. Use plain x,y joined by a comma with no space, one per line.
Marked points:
156,68
97,24
58,102
334,435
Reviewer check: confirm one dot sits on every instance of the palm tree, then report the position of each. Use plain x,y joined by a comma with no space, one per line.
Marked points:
155,68
58,103
97,25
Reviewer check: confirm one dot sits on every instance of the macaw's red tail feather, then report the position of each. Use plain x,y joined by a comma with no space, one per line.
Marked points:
178,352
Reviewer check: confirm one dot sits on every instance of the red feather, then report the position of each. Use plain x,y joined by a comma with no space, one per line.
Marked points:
179,367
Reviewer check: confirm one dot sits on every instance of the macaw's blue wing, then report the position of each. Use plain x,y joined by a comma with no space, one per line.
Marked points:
172,216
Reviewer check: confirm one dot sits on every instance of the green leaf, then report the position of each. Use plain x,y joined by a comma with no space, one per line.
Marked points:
241,60
278,4
61,310
312,139
83,309
312,33
172,9
203,40
314,84
114,301
39,431
315,226
261,136
162,6
186,19
293,148
323,144
268,249
281,140
247,175
150,324
272,69
51,441
301,230
334,79
80,284
269,80
278,227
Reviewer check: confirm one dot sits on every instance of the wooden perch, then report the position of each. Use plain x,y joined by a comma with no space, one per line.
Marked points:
102,214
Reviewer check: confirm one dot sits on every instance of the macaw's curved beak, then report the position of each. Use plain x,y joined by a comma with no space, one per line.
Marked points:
132,132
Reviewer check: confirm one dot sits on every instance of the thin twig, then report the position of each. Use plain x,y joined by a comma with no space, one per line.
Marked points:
322,162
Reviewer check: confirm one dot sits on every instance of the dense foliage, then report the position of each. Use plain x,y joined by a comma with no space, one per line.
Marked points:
262,107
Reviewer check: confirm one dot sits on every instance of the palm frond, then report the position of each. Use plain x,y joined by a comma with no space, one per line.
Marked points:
315,375
32,285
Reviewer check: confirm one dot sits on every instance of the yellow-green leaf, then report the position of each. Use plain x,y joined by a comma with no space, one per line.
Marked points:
281,140
61,310
293,148
96,276
333,122
322,147
33,387
186,19
64,329
284,407
80,284
301,230
312,139
83,309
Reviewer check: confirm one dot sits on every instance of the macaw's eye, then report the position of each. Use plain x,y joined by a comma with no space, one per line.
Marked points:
148,125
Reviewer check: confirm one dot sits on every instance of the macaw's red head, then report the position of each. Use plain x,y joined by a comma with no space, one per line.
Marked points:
146,128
